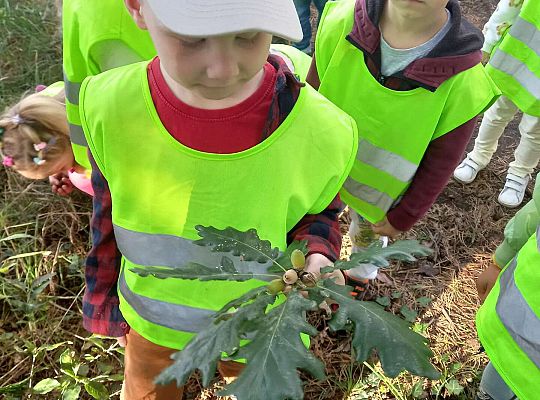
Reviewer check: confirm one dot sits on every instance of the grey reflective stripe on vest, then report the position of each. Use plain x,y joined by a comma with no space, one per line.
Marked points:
527,33
391,163
169,315
173,251
517,316
510,65
368,194
76,135
72,90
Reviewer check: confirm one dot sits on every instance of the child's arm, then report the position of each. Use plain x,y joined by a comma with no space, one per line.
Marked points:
442,157
504,16
517,232
101,313
519,229
321,231
323,235
313,76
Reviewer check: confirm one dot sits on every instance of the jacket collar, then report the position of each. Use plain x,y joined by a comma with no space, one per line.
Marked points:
458,51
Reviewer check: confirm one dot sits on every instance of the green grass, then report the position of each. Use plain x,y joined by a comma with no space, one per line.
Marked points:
30,47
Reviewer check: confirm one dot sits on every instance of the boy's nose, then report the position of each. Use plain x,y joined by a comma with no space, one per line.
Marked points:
223,67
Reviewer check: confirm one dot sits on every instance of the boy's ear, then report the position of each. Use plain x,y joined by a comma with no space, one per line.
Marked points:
135,10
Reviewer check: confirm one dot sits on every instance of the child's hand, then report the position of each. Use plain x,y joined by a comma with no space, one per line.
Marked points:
315,262
486,280
385,228
122,341
485,57
60,184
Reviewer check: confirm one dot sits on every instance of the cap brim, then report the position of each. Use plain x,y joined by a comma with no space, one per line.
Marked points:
202,18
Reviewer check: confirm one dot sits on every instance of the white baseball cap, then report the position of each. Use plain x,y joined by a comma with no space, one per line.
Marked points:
201,18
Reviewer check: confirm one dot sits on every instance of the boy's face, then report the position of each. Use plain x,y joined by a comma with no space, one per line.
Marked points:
215,67
419,8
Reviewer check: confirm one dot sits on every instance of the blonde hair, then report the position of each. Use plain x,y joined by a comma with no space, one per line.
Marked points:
35,135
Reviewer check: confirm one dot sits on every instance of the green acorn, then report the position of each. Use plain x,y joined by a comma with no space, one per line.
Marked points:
298,260
276,286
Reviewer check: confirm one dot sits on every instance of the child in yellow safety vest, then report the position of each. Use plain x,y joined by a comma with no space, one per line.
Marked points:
35,141
97,36
410,73
512,47
508,322
214,131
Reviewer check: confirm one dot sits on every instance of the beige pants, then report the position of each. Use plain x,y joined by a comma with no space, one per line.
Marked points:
145,360
495,120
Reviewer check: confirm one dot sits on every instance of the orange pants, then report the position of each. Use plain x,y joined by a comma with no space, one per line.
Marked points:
145,360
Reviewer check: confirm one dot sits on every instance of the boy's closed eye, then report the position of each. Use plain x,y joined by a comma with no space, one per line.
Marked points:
192,42
247,38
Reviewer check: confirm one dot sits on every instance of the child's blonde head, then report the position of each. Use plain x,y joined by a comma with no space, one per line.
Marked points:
35,136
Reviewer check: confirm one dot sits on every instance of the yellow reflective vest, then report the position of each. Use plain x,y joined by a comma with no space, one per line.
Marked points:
161,190
508,322
515,63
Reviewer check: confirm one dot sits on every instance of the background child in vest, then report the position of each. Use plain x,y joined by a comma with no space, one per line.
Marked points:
516,234
35,139
90,48
496,119
408,47
303,8
214,94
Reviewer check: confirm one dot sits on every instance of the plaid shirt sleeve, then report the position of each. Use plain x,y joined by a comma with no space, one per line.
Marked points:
101,312
321,231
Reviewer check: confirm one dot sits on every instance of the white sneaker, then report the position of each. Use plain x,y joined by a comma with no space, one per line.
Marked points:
466,171
514,190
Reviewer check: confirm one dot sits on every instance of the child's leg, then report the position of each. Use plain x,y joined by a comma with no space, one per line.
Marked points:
230,370
304,13
527,153
492,386
144,361
492,127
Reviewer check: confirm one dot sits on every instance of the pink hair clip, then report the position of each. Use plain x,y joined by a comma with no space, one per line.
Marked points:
8,161
40,146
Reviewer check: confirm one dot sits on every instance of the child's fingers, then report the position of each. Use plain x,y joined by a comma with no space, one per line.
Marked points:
64,190
482,288
122,341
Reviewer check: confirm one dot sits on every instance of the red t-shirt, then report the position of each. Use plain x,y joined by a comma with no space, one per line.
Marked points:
228,130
